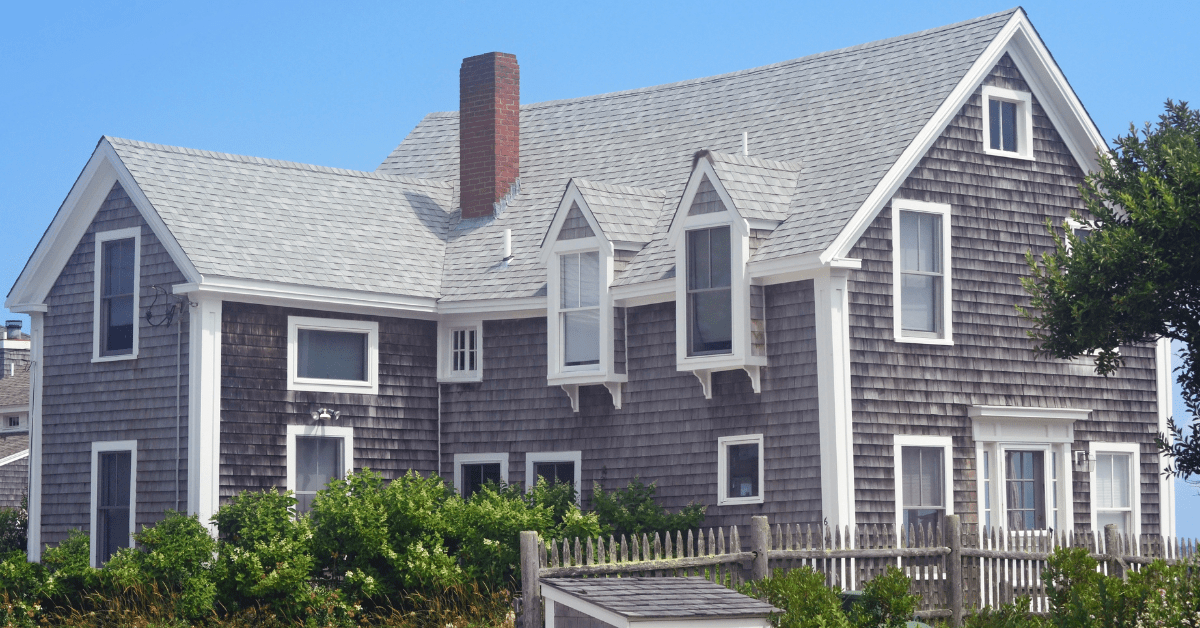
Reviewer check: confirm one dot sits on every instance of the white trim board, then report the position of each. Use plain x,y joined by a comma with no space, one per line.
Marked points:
99,447
20,455
34,538
1024,46
311,297
204,407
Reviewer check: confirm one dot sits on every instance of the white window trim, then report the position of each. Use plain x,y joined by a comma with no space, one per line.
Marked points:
99,447
446,372
946,443
1024,102
461,459
1135,482
942,209
575,457
326,431
371,328
101,238
723,443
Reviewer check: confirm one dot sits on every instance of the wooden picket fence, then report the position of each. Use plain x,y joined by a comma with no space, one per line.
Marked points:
953,568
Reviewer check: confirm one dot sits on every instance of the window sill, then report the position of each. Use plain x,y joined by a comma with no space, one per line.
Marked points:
583,378
921,340
334,386
470,378
1007,153
113,358
739,501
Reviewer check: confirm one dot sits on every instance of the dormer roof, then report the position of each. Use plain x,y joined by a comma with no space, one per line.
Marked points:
760,188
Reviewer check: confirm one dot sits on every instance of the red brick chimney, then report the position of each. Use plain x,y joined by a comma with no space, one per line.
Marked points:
489,136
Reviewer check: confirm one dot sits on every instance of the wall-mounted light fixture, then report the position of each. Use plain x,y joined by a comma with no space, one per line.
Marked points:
1084,461
325,414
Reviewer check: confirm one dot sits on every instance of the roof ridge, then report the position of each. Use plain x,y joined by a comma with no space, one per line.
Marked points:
275,163
747,71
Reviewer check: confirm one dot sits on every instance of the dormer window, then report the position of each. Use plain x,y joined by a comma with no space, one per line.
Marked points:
1007,123
579,308
709,296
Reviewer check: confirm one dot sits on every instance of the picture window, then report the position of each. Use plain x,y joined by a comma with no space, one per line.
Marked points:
330,355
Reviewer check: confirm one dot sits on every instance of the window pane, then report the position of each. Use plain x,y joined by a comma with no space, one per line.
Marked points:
743,470
699,260
994,124
555,472
910,238
569,281
112,502
919,301
931,238
719,252
712,321
923,517
1119,519
332,355
475,476
318,460
581,337
1112,481
1026,490
1008,113
589,279
117,264
923,476
117,324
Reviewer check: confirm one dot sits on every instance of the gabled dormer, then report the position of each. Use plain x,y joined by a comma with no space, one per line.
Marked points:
731,203
596,230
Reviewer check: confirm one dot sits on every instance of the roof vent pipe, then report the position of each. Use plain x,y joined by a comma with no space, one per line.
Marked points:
506,244
745,144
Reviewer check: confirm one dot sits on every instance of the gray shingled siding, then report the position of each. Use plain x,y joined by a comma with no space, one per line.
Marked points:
575,226
706,201
394,431
619,340
667,431
121,400
621,259
14,483
999,206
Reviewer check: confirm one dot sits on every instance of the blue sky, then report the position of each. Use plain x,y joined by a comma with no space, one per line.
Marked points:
340,84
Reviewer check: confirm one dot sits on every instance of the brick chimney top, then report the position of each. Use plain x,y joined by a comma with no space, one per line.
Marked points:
489,135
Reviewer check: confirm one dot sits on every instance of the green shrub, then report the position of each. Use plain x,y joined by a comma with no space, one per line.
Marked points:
885,602
174,558
14,526
69,563
632,510
802,596
22,587
265,557
1012,615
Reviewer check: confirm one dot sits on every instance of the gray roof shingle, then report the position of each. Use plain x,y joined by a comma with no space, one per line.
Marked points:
760,188
14,389
641,599
845,116
625,214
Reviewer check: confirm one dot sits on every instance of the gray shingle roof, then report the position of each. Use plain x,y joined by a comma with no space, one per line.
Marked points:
845,116
760,188
268,220
641,599
14,389
625,214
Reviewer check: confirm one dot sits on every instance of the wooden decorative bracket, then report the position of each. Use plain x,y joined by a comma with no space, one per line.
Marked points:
705,377
572,391
755,373
615,389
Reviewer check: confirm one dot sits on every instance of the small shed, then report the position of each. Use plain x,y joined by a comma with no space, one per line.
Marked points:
649,603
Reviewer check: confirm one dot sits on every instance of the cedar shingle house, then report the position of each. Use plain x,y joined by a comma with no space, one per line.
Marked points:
14,414
787,291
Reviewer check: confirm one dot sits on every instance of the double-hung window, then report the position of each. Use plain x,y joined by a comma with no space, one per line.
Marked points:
921,265
329,355
579,309
114,482
923,467
1007,123
1025,489
116,294
317,454
709,294
555,467
1115,489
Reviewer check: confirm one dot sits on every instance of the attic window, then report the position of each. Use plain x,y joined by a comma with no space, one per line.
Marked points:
117,279
1007,123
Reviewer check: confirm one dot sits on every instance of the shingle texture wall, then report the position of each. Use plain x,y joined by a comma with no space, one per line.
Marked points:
666,431
394,431
999,206
122,400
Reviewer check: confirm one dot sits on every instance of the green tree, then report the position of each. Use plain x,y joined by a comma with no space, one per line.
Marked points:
1136,276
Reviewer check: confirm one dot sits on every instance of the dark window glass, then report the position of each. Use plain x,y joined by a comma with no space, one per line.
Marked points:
117,297
924,491
475,476
318,460
112,503
743,470
1002,125
921,272
464,351
710,300
555,472
14,421
332,355
1026,490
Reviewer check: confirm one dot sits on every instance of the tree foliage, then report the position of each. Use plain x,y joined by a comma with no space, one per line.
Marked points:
1136,277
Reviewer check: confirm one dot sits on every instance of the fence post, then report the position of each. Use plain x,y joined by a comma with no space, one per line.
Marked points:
531,591
1113,549
760,543
954,568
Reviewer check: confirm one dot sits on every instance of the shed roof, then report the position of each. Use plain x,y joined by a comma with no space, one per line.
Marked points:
641,599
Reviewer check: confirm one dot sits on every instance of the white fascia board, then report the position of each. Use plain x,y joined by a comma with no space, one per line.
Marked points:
1019,412
796,268
14,409
583,606
494,309
550,242
312,297
20,455
72,221
15,344
630,295
1019,39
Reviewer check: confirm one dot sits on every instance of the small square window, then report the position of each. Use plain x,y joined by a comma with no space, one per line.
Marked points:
464,351
14,421
474,471
329,355
740,469
1007,123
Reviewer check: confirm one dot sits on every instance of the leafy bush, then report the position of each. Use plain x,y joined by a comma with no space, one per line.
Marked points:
1015,614
69,563
802,596
14,525
632,510
175,559
1156,595
885,602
